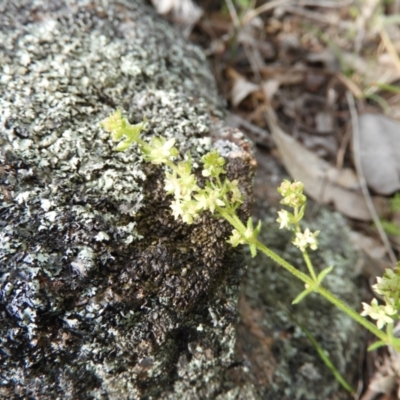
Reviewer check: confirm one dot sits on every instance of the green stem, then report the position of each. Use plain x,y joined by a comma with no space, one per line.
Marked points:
325,293
324,356
143,144
306,257
173,167
353,314
310,267
233,219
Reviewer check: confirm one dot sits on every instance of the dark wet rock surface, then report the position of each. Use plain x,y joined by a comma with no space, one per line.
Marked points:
103,294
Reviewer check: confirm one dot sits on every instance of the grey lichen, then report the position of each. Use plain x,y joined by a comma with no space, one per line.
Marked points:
103,294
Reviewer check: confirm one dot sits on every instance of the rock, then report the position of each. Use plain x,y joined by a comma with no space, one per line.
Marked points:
103,294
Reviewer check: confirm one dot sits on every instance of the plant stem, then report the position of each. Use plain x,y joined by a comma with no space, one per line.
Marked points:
327,294
309,265
305,254
232,218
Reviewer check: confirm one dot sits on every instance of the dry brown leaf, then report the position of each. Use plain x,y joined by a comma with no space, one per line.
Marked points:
380,69
270,87
372,260
382,384
163,6
241,87
322,182
369,245
327,57
386,377
380,152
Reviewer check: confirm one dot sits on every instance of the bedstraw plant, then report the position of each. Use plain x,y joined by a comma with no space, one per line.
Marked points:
222,197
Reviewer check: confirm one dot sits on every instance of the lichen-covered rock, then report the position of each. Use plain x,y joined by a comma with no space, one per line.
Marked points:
103,294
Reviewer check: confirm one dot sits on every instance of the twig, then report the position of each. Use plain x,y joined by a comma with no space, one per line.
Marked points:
331,19
234,16
361,178
257,134
390,48
354,89
325,3
342,150
265,7
273,4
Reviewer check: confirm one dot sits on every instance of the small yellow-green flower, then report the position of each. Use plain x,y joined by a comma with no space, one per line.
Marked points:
389,284
160,151
292,193
283,219
213,164
186,209
382,314
180,187
306,239
235,194
236,239
120,128
209,199
114,124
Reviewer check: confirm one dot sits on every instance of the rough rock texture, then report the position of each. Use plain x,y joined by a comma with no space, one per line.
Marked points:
103,294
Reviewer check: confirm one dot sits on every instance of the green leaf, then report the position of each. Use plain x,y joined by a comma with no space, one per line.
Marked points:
253,250
302,295
122,146
376,345
130,133
390,228
257,230
321,276
301,212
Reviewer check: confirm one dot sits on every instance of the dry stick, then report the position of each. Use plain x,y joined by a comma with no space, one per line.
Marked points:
273,4
390,48
250,54
314,15
357,92
325,3
361,178
342,150
234,16
265,7
259,135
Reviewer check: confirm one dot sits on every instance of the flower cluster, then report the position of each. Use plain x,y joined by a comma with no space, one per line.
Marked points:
190,199
389,288
160,151
292,193
306,239
382,313
213,165
180,182
122,131
246,237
